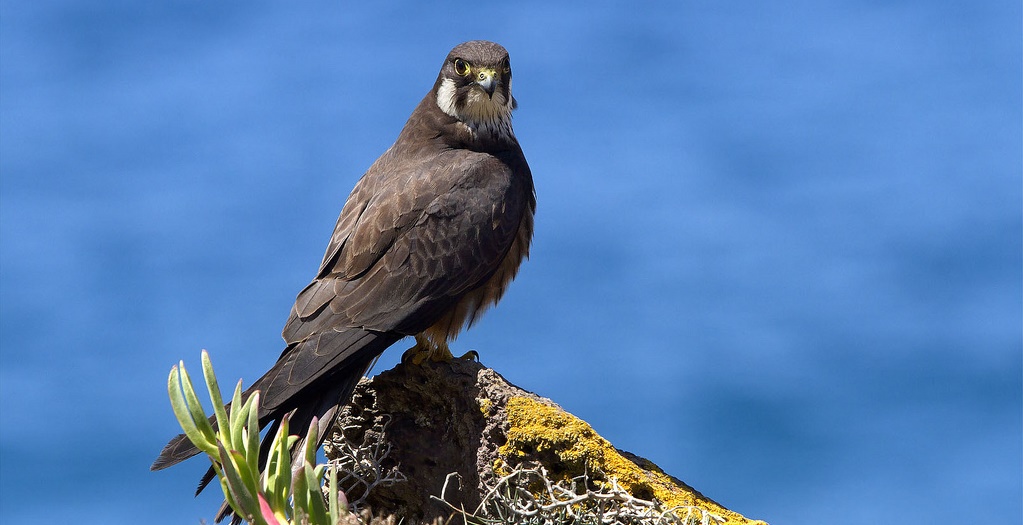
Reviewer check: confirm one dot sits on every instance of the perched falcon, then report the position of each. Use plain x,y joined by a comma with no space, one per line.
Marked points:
429,238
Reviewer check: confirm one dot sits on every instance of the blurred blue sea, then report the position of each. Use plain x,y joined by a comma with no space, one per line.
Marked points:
778,247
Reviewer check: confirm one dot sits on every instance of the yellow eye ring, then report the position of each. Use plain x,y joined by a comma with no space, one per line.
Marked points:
462,67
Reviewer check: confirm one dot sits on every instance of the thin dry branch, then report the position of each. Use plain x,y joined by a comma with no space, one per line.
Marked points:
528,496
360,464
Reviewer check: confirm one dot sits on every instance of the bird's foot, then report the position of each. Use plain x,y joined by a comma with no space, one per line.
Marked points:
426,349
437,352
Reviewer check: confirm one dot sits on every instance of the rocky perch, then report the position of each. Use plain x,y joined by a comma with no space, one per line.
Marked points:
456,439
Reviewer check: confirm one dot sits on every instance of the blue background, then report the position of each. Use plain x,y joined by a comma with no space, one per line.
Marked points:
778,247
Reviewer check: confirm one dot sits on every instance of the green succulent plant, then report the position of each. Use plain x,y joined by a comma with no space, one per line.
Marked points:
284,493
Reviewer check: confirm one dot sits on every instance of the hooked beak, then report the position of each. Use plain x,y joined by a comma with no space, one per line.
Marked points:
487,79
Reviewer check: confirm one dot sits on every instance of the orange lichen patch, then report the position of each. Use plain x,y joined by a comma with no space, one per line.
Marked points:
567,446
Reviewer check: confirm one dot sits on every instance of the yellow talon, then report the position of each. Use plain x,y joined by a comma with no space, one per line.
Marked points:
418,353
437,352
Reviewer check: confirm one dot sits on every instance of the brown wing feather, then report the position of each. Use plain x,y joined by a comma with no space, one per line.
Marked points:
473,303
420,268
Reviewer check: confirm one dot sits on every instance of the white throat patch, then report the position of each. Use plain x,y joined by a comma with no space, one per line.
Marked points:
481,114
446,97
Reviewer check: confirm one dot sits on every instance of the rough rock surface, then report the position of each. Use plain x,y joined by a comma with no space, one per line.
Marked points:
460,417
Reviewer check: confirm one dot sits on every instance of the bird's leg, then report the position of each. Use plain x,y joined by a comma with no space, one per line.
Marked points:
417,353
425,348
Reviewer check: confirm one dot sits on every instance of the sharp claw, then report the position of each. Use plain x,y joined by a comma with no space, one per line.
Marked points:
424,349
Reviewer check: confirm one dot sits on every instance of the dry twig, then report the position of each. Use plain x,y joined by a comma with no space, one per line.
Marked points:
527,496
360,465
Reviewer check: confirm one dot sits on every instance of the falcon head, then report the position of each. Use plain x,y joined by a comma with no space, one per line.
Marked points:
474,86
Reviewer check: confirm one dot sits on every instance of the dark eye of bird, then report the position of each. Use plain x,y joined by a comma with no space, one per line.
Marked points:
461,67
506,67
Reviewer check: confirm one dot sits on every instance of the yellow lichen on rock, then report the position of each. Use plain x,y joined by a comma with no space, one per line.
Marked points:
569,447
485,405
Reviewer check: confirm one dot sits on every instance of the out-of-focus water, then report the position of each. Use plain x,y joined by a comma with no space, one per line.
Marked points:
778,247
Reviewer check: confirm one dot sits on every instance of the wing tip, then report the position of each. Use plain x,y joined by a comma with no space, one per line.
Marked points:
174,452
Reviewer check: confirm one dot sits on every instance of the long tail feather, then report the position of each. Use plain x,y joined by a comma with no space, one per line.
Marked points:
312,378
